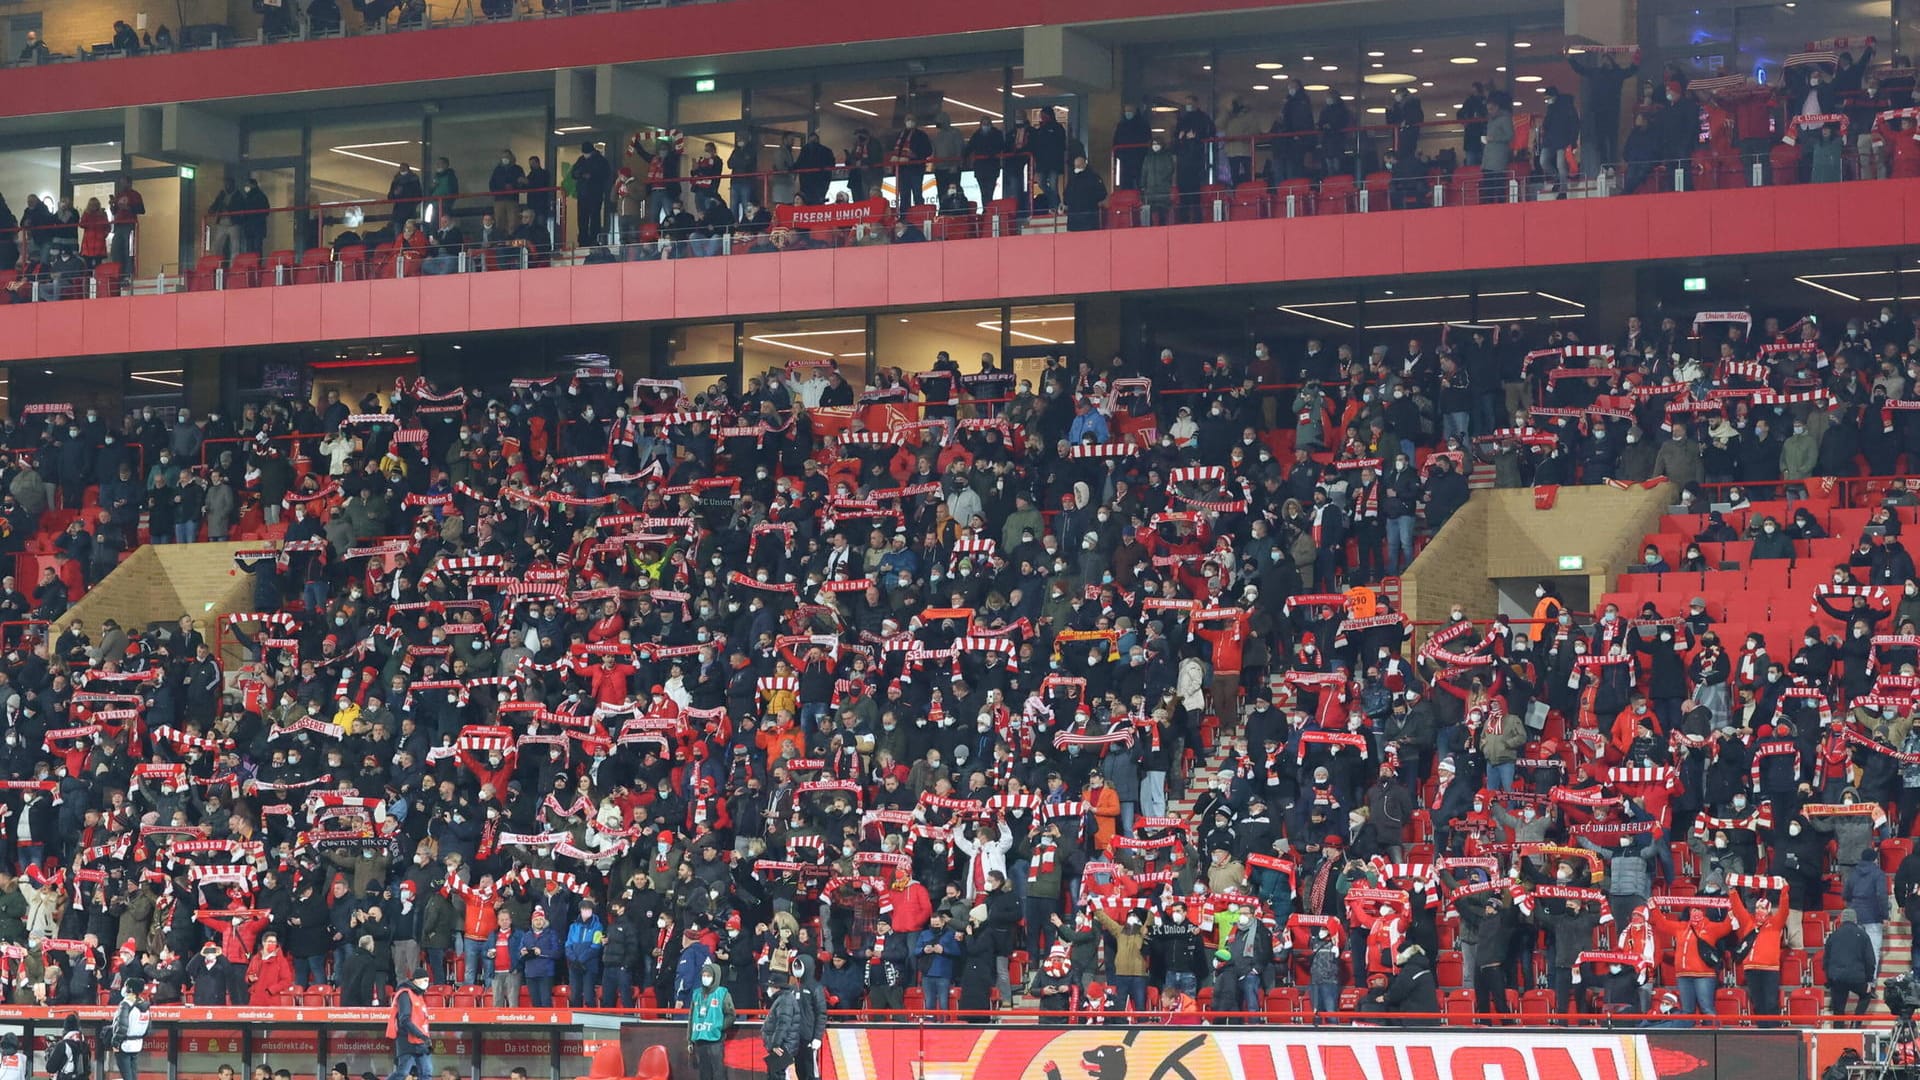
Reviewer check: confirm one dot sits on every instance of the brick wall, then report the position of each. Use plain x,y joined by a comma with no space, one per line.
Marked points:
163,582
70,24
1499,534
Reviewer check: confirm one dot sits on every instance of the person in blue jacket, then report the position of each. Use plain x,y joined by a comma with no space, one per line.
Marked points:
586,938
537,959
937,951
694,955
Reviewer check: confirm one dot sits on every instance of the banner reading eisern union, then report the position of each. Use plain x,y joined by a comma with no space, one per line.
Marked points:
1174,1052
830,216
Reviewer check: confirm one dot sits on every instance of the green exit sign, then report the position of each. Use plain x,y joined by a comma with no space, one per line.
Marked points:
186,172
702,86
1693,284
1573,562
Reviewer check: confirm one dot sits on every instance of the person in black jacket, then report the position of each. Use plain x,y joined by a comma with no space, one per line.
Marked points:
592,182
911,149
1851,965
980,971
1413,991
211,975
1559,132
359,974
1085,192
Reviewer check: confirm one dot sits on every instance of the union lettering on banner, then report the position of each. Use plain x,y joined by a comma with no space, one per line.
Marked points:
1188,1053
831,215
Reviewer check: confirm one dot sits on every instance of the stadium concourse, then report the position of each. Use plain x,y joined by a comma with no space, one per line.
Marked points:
1080,697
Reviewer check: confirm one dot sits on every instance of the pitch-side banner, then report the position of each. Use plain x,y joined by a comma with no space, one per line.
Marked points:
1160,1052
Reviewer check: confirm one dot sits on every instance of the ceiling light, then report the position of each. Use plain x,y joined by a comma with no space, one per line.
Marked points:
1465,60
571,128
1346,97
1527,78
1388,78
1206,67
1317,88
1479,44
1502,67
1377,111
1261,86
951,100
1159,131
1027,85
1163,108
1376,64
1417,52
1270,65
855,109
1376,53
1539,89
1428,85
1523,44
1329,67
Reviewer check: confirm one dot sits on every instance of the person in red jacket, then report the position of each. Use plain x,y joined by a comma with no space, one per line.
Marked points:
269,973
610,681
494,772
1225,629
912,908
1767,922
1693,937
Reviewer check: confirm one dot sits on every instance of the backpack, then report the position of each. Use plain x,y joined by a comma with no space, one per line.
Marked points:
56,1062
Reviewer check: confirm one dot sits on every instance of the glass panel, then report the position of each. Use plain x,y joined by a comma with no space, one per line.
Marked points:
30,172
877,109
966,100
1261,79
472,143
1438,75
912,342
356,163
775,343
1037,330
94,158
279,142
708,107
700,346
277,185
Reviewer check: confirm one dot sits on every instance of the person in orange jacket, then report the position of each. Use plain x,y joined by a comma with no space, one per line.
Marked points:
1766,922
1105,804
1694,938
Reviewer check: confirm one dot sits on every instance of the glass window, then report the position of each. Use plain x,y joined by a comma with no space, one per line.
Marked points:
30,172
700,346
276,142
1261,79
765,346
1438,75
94,158
912,342
471,142
876,108
355,164
706,107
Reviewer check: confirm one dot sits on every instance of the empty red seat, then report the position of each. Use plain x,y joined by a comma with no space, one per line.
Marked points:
1465,188
1123,209
1336,195
203,276
1249,202
107,279
244,271
1377,186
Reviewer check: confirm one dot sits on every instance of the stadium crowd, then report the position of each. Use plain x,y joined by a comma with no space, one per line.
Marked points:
1072,693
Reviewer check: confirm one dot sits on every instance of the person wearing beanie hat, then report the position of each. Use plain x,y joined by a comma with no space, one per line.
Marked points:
68,1057
410,1028
128,1031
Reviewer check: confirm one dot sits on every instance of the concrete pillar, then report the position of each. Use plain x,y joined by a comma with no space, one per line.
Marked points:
202,376
1057,54
609,95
